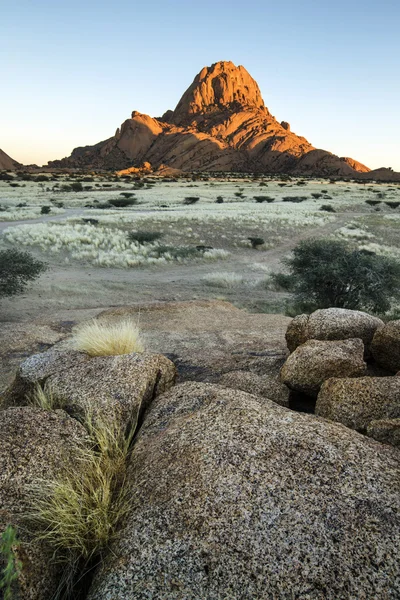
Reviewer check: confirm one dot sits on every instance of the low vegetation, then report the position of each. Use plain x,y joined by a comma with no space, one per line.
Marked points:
17,269
325,273
12,565
98,338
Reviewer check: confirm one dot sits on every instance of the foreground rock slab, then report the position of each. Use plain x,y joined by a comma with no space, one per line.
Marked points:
357,402
105,386
315,361
35,445
235,497
332,324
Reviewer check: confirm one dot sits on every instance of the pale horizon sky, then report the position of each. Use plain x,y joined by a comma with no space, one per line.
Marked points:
73,72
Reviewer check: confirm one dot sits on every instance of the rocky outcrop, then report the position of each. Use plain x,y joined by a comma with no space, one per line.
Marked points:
219,124
8,163
332,324
385,346
36,445
233,496
357,402
106,387
315,361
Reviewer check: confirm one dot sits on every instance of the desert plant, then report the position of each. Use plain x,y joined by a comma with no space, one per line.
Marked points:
99,338
222,279
325,273
123,202
17,268
219,200
373,202
392,204
256,241
263,198
44,397
327,208
45,210
316,195
8,545
143,237
76,515
76,186
127,194
294,198
191,200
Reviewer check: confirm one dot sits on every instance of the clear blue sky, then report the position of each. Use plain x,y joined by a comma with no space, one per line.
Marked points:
72,71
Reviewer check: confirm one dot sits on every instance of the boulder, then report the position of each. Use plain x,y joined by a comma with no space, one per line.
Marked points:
236,497
332,324
357,402
105,386
386,431
264,386
385,347
35,445
315,361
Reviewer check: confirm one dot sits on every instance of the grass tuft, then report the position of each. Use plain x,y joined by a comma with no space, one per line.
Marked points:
98,338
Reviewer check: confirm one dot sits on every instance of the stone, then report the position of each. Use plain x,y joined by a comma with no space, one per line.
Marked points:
35,445
236,497
315,361
116,387
8,163
386,431
264,386
357,402
385,347
332,324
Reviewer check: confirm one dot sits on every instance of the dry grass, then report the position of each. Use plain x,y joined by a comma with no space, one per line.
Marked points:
98,338
223,279
43,397
77,514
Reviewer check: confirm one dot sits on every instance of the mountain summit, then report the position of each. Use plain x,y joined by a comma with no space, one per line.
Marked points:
219,124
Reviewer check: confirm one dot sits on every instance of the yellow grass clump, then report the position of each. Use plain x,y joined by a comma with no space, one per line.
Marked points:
78,513
99,338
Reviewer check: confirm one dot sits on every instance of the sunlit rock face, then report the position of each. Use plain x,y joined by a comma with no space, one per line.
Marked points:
219,124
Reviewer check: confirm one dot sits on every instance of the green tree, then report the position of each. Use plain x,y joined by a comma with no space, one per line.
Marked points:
17,268
327,273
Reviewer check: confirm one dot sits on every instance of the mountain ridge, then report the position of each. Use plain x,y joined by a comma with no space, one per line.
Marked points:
219,124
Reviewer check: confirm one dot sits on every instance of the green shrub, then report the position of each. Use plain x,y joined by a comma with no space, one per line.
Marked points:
143,237
326,273
45,210
123,202
373,202
256,241
13,566
16,269
294,198
263,199
191,200
316,195
327,208
76,186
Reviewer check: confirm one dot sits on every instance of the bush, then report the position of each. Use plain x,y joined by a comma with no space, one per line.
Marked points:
256,241
326,273
191,200
263,199
16,269
316,195
219,200
123,202
45,210
294,198
76,186
327,208
144,236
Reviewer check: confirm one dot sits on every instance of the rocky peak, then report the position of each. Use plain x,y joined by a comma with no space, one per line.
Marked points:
223,85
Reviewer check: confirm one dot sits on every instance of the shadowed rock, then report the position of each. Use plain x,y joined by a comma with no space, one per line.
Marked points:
35,445
265,386
385,347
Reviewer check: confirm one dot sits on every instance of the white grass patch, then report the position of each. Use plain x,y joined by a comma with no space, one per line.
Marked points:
24,214
223,279
99,246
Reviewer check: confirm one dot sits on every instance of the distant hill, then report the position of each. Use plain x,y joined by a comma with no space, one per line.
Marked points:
6,162
220,124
